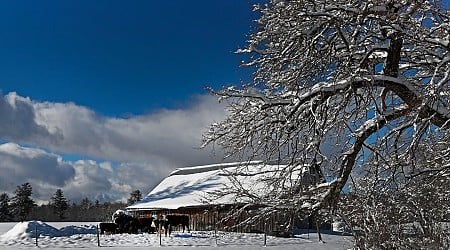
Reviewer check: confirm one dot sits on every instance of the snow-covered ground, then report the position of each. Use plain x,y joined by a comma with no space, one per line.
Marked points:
69,235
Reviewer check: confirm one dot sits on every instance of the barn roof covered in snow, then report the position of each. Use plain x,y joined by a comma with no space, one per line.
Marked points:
191,186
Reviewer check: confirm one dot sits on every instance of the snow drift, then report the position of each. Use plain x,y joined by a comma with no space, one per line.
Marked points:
23,230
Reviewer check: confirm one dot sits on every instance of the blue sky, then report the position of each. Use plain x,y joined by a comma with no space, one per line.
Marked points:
103,97
121,57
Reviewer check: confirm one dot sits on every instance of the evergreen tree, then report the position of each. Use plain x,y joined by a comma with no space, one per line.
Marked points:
135,196
22,203
59,203
85,204
5,212
97,203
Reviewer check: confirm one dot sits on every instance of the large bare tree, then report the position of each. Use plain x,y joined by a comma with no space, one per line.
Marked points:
354,90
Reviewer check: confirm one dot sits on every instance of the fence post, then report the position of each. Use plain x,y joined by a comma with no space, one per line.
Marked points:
265,234
216,223
215,233
160,240
36,234
98,237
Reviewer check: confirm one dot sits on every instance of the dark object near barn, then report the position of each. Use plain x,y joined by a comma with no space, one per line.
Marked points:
108,227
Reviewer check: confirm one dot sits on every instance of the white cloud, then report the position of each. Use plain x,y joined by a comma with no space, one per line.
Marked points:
47,172
20,164
174,134
17,119
145,148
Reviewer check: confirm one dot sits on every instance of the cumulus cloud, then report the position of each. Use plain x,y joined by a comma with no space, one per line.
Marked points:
131,153
47,172
23,163
19,165
17,118
69,128
105,182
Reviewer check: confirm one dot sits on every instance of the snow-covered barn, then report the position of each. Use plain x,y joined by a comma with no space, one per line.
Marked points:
186,187
188,191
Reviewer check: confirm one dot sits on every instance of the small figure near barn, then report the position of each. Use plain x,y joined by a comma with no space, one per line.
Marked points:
178,220
166,222
161,223
108,228
125,223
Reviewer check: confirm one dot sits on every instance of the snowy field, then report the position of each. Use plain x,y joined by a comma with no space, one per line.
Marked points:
72,235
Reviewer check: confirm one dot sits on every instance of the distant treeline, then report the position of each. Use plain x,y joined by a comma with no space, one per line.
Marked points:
86,210
21,207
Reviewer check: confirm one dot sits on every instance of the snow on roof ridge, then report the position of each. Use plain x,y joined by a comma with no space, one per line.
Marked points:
207,168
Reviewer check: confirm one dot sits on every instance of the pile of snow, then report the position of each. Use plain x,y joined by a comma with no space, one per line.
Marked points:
29,229
82,229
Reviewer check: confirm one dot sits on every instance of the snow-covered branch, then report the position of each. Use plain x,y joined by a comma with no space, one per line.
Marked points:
359,88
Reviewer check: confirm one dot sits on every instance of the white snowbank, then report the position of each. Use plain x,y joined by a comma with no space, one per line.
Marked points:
28,229
73,230
23,230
